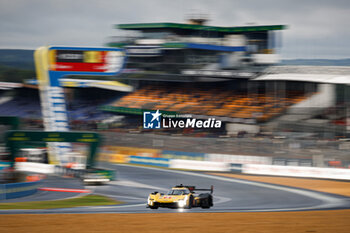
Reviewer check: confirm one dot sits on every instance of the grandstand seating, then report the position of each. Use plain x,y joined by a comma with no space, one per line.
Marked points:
25,103
24,107
210,101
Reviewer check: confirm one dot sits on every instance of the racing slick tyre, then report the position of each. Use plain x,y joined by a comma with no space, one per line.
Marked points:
211,201
207,203
190,203
153,207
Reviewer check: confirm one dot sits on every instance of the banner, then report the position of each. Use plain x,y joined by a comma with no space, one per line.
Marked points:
294,171
240,159
53,63
16,190
200,165
159,162
4,165
168,154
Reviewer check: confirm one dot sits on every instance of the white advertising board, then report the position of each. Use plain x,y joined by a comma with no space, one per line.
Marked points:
295,171
199,165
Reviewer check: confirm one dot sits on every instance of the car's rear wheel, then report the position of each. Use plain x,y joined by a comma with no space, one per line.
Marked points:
206,203
211,201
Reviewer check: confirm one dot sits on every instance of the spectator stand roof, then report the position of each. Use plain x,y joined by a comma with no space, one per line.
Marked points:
83,83
318,74
194,27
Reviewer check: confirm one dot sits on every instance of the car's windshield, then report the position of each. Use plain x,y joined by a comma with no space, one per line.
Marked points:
178,192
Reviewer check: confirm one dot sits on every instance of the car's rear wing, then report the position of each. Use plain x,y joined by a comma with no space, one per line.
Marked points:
193,188
211,189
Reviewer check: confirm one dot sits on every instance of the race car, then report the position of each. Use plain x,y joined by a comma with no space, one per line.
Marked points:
181,196
95,179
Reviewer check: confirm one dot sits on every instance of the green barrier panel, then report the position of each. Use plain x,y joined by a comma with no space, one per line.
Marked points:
110,174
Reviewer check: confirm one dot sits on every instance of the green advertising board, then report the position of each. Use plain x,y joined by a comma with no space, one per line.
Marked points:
15,138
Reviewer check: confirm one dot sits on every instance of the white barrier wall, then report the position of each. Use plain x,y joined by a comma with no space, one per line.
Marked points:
310,172
199,165
240,159
35,167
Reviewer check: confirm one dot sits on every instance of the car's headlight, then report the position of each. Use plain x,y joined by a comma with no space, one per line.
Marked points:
181,203
149,201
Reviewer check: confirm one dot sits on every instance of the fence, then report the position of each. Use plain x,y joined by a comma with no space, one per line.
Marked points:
282,148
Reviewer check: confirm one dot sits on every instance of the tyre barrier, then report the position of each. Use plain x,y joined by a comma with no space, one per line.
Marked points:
16,190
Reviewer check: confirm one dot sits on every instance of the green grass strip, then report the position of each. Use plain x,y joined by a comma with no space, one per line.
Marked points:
89,200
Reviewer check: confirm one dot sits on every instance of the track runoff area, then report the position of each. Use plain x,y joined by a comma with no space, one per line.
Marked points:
230,195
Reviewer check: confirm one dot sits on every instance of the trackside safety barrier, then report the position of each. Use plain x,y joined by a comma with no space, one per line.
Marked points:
4,165
294,171
16,190
238,159
236,168
168,154
160,162
35,167
200,165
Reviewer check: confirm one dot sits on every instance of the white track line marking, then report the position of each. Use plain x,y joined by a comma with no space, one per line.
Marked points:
115,207
218,200
120,196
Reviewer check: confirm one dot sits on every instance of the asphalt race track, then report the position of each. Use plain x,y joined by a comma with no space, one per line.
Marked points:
230,195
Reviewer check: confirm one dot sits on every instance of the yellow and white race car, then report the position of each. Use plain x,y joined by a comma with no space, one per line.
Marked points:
181,196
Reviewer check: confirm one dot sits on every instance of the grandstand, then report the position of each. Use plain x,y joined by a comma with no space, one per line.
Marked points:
209,100
201,70
324,113
189,52
22,102
82,105
227,73
230,73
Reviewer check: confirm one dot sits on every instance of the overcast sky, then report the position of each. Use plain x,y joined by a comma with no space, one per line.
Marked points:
316,28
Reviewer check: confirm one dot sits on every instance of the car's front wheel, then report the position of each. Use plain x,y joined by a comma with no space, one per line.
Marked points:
153,206
190,203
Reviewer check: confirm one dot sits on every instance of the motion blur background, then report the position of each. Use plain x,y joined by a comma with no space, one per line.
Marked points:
278,80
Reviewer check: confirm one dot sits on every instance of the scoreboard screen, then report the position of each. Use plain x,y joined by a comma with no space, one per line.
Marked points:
86,61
